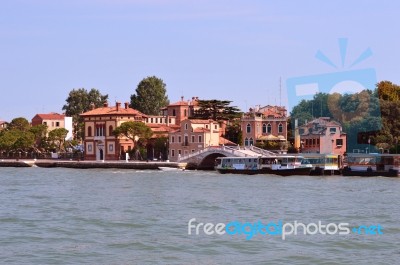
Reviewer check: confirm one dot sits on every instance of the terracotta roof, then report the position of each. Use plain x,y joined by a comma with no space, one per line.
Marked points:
50,116
113,111
180,103
225,141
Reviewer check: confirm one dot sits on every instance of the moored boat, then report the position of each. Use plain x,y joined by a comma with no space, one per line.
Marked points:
283,165
371,165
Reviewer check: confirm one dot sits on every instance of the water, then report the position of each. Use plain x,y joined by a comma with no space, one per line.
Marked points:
70,216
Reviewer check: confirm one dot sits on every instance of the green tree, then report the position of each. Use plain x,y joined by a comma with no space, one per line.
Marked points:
78,102
39,132
150,96
134,130
57,138
216,110
20,124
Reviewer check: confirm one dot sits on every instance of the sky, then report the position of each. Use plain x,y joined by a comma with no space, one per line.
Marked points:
243,51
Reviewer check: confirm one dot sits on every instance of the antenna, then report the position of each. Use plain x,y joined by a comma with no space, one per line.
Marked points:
280,91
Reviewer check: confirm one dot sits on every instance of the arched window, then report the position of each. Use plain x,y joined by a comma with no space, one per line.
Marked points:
251,142
246,142
280,128
110,130
89,131
269,128
185,113
264,130
248,128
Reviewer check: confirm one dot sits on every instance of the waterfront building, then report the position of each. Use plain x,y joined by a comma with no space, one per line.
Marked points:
263,124
3,125
180,110
54,121
322,135
194,135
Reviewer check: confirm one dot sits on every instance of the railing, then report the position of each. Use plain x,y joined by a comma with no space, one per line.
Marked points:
261,151
234,151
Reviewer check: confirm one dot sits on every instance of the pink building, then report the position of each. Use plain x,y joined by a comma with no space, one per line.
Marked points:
322,135
268,123
180,110
195,135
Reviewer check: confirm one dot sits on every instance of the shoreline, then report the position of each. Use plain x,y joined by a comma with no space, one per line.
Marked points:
90,164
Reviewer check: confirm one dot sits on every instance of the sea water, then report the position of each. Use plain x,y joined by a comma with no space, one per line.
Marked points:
71,216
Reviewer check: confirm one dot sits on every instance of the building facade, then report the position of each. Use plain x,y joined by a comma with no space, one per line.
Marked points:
3,125
54,121
322,135
194,135
100,143
268,123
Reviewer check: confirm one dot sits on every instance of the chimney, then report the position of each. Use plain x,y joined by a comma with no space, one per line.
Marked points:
118,104
126,105
105,104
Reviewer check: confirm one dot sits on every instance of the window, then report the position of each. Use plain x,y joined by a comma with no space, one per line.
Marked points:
89,131
172,152
179,152
269,128
186,126
258,128
248,128
172,139
192,138
151,120
100,130
206,126
332,130
185,113
246,142
193,151
45,123
173,112
339,142
200,140
186,143
280,128
216,127
57,124
110,130
251,141
264,128
179,139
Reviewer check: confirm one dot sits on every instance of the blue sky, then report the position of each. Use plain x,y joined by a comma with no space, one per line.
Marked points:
235,50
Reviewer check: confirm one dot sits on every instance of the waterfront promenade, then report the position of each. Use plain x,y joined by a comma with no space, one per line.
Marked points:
49,163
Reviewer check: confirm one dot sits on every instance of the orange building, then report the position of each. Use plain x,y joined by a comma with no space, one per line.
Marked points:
100,142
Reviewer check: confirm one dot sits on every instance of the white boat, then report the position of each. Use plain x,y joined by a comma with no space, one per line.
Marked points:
283,165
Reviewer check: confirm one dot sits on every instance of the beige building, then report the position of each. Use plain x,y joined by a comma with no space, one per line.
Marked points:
54,121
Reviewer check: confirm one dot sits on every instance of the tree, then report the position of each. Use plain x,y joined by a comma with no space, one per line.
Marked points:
20,124
216,110
78,102
39,132
135,131
57,138
150,96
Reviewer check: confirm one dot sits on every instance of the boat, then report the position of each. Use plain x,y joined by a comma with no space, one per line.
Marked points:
171,168
323,164
371,165
283,165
